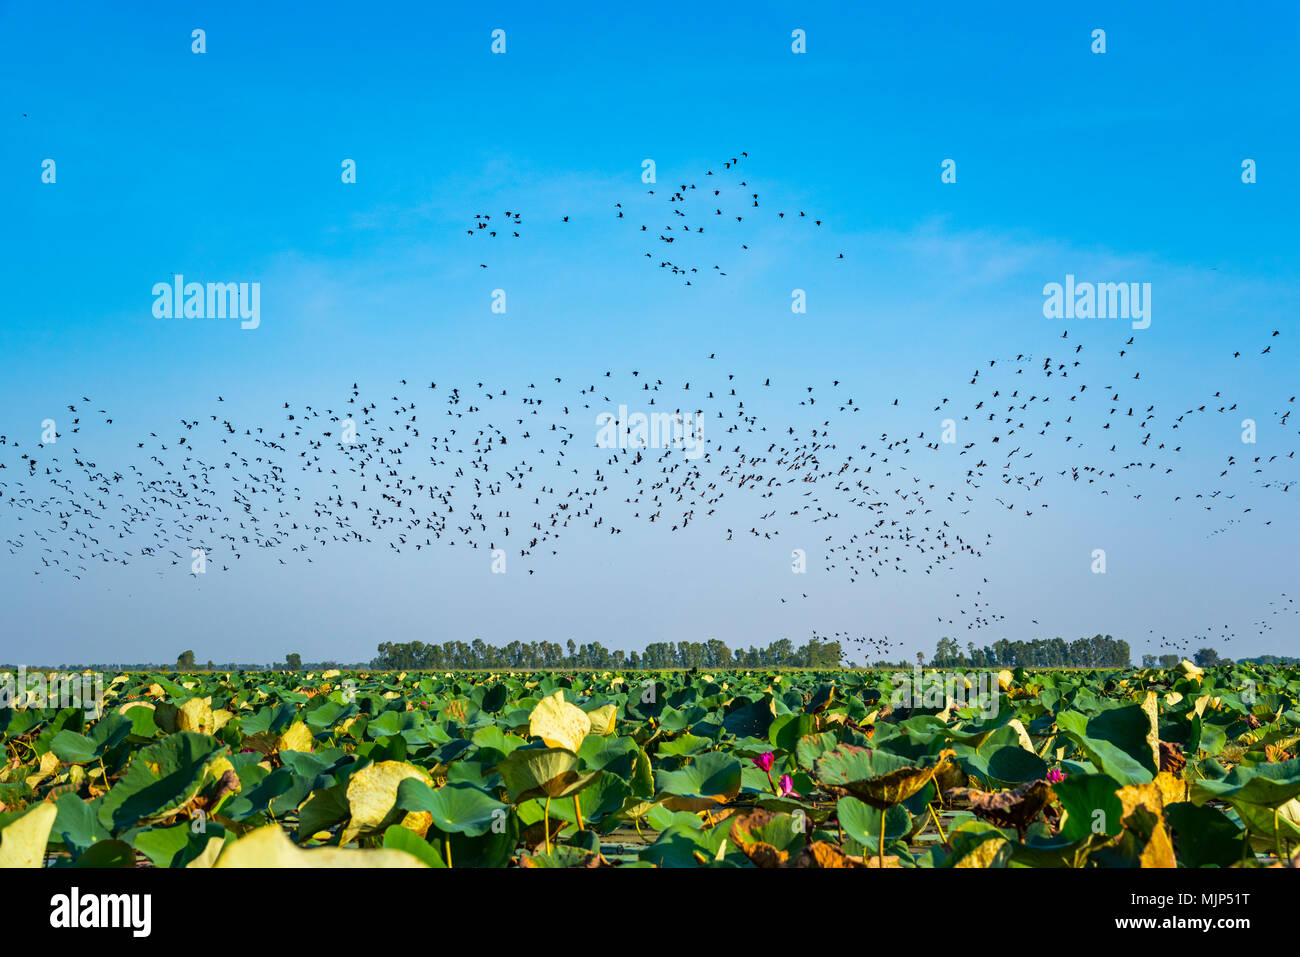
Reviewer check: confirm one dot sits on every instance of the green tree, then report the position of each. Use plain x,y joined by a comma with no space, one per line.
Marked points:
1206,658
294,661
185,662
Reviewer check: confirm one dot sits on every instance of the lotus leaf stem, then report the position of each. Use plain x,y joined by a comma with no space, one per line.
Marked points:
937,826
880,840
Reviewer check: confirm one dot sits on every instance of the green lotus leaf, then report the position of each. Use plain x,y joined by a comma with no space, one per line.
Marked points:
457,808
1264,785
401,838
769,839
683,844
325,809
1091,805
1119,741
861,822
877,777
750,718
605,796
1267,832
77,824
786,731
108,853
74,748
177,845
686,744
709,780
161,778
1204,836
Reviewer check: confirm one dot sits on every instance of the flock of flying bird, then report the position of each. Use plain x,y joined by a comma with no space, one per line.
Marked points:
481,467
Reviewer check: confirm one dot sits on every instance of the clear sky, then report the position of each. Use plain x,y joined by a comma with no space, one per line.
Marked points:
1122,166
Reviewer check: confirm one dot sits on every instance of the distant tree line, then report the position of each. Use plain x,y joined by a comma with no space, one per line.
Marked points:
1272,660
1204,658
1099,651
543,655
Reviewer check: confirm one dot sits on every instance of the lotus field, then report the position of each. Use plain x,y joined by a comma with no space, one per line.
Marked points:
1149,768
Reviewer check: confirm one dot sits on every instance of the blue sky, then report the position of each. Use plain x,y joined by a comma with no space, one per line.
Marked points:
1122,166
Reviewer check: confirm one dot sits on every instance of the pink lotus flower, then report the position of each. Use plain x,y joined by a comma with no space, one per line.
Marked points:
764,761
785,787
1055,776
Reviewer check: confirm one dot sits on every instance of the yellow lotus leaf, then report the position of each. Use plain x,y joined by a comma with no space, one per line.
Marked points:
270,847
1189,669
135,704
220,718
558,723
297,737
1172,698
602,719
988,853
23,840
1172,789
417,821
1151,707
1143,814
1022,735
211,851
1005,678
332,673
49,763
156,690
195,715
372,796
